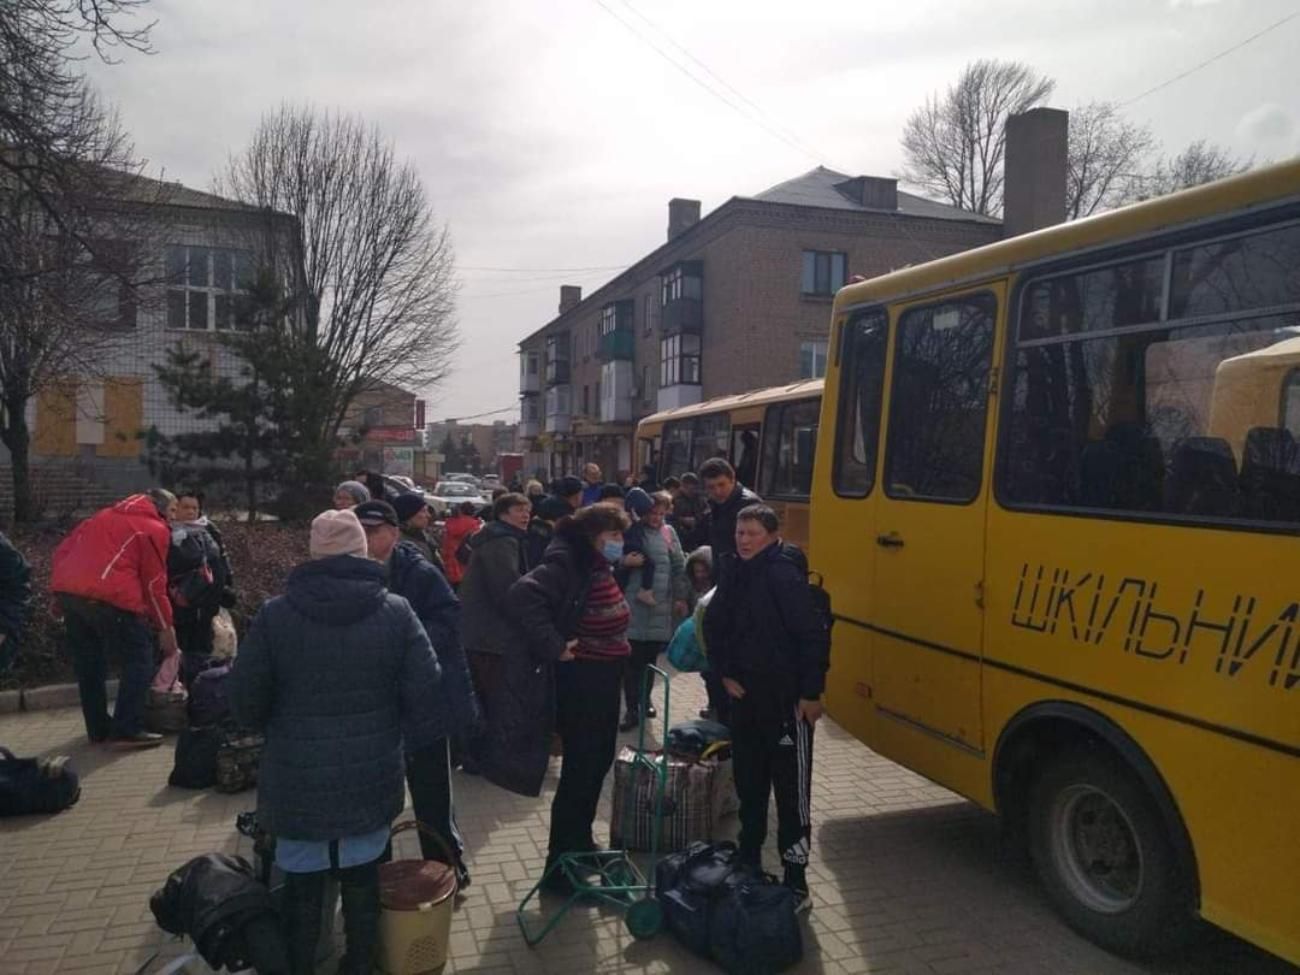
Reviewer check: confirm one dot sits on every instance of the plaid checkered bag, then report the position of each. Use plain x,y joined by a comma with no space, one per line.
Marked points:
689,811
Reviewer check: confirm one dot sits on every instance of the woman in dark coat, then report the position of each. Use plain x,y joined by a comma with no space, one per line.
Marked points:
572,611
331,672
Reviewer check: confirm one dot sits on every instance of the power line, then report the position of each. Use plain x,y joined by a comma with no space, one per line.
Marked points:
1208,61
711,90
811,151
555,270
476,416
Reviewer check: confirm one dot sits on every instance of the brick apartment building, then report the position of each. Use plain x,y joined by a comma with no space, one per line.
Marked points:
735,301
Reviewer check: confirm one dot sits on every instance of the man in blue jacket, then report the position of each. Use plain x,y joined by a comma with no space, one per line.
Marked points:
428,757
771,650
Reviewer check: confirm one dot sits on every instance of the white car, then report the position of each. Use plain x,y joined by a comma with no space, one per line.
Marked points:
448,495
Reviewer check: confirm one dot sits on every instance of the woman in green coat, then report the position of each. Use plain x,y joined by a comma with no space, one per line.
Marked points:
653,621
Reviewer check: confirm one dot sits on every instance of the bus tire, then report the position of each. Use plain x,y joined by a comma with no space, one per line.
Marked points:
1103,852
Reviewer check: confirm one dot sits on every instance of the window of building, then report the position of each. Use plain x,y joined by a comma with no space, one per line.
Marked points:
372,416
530,363
858,427
789,445
824,272
586,400
682,281
528,410
812,360
679,360
647,315
206,287
1188,412
648,390
939,401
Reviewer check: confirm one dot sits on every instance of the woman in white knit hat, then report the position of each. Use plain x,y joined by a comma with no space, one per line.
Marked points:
330,672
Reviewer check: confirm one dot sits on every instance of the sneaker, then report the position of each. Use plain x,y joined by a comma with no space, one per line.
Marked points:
796,879
141,739
632,720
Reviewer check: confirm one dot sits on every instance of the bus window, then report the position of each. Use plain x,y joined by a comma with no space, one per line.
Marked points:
1291,403
790,436
935,446
1169,419
676,449
744,453
710,438
646,454
858,428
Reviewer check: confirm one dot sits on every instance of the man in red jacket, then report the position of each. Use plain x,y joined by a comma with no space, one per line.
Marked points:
110,580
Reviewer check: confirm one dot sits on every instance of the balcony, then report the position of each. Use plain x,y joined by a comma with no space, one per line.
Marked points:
616,345
558,414
530,409
529,380
557,372
683,315
617,385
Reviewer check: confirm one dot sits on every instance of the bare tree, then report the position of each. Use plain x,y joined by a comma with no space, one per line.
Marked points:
377,289
1106,155
954,144
71,202
1201,162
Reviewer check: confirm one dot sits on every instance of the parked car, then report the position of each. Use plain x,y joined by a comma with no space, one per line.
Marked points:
465,478
448,494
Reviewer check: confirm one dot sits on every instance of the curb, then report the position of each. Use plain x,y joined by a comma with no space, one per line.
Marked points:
46,698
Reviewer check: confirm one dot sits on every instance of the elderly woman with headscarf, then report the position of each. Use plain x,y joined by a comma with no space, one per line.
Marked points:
349,494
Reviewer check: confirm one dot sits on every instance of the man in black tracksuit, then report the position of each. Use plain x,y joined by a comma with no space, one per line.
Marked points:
726,498
771,651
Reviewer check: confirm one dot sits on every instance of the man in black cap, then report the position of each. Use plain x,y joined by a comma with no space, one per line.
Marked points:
571,490
414,517
428,760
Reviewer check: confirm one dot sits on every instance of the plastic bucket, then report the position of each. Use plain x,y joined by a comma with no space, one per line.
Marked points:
417,897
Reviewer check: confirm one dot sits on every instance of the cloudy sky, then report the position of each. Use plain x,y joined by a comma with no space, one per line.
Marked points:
551,133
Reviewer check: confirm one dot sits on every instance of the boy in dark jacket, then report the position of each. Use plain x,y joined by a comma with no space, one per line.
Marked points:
428,751
638,505
332,672
771,652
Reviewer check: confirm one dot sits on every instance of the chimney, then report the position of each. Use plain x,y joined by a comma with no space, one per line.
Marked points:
570,296
682,214
1033,193
873,192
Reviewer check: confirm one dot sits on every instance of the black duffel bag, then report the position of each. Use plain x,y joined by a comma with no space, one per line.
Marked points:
36,785
754,929
195,764
689,885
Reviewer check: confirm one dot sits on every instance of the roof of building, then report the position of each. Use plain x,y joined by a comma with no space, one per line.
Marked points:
816,188
820,188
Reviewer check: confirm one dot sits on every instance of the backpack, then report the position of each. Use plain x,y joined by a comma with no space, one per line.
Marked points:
36,785
209,701
754,929
195,763
195,571
820,598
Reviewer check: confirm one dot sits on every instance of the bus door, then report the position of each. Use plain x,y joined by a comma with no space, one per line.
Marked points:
930,518
744,453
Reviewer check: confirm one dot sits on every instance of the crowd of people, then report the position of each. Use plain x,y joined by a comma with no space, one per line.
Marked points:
395,656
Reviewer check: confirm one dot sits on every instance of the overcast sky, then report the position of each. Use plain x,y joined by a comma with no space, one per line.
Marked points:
550,136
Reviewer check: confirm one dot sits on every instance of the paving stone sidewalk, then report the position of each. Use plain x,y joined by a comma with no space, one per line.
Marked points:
907,877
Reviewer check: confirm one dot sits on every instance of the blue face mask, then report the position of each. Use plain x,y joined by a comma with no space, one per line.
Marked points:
612,550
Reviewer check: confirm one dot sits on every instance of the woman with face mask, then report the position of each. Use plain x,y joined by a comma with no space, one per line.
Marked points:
573,612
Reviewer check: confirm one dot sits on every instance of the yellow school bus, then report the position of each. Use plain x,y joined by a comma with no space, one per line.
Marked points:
768,435
1057,505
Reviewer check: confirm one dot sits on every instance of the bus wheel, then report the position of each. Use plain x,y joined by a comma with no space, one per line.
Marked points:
1102,851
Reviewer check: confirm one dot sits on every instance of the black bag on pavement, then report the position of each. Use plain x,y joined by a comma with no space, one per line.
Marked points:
36,785
195,764
238,757
754,929
209,700
689,886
